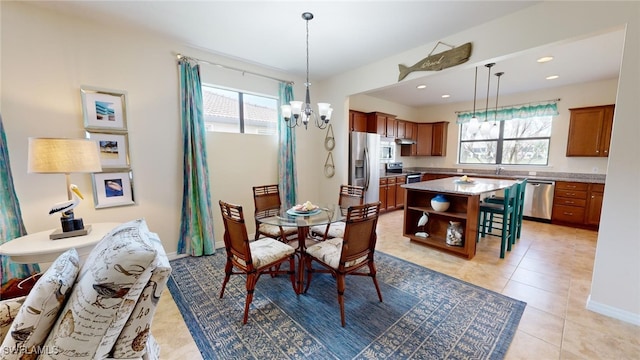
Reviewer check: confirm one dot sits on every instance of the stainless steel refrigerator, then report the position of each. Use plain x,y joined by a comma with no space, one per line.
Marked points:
364,164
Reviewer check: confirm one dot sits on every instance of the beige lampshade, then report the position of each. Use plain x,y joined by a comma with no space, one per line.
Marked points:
63,156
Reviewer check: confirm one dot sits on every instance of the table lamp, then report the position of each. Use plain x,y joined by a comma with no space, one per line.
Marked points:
65,156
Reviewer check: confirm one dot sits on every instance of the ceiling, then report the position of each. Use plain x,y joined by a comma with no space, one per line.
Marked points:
345,35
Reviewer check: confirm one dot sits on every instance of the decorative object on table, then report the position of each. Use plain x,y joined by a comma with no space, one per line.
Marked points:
113,189
464,179
436,62
304,209
454,233
104,109
68,220
440,203
64,156
422,223
114,148
302,112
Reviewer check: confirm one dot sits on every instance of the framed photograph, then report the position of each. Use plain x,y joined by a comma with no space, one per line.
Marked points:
114,148
113,189
104,109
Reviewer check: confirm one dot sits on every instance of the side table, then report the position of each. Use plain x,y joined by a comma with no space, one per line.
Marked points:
38,248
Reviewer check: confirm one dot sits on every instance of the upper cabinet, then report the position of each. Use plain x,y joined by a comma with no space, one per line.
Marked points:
357,121
431,139
381,123
590,131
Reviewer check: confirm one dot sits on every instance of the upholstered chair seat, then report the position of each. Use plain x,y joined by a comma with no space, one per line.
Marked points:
274,231
330,252
267,250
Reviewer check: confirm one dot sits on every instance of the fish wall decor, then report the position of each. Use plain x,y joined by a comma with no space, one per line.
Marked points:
439,61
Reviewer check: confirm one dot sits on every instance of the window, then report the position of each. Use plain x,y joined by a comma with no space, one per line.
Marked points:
512,142
238,112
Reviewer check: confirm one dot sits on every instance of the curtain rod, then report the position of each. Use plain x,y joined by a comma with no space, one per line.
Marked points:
508,106
180,56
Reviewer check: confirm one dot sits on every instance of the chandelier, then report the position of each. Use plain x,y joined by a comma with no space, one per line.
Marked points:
299,113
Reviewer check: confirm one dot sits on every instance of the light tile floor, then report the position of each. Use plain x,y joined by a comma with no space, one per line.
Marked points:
550,268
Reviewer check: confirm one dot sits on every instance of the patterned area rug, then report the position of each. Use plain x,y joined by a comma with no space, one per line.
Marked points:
424,315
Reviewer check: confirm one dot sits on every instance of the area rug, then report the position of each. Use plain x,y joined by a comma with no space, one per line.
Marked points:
424,315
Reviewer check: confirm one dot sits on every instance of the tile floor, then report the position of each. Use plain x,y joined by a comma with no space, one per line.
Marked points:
550,268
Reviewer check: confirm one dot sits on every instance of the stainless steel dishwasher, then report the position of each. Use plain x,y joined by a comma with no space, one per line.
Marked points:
538,199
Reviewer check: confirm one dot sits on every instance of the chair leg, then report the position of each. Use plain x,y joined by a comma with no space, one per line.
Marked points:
340,280
309,270
252,278
227,271
372,272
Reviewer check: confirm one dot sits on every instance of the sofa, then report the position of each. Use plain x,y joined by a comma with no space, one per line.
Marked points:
100,309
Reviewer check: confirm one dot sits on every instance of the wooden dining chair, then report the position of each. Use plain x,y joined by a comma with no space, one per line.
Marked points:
349,254
505,224
252,259
350,195
266,199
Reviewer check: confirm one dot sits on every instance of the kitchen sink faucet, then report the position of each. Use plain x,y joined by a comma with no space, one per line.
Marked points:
498,169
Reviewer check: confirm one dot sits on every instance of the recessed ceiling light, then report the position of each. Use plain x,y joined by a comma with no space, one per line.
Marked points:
552,77
445,96
545,59
421,86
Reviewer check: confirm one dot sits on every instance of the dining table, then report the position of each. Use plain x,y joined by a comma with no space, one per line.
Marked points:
322,214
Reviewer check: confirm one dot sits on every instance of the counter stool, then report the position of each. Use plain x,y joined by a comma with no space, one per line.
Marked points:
507,221
519,207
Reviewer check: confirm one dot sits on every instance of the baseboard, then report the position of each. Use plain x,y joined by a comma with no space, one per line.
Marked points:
615,313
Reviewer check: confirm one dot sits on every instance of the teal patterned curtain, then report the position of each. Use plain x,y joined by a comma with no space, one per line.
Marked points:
196,225
11,225
523,111
286,152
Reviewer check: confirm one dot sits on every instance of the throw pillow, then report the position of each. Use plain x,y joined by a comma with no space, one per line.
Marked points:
133,338
104,295
8,311
40,309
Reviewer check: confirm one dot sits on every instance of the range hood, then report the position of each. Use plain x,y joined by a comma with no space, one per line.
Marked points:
405,141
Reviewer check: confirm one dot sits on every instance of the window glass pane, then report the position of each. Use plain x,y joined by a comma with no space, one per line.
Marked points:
221,110
260,115
478,152
481,132
527,128
525,152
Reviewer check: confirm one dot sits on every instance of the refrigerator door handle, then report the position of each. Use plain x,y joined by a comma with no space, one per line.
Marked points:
366,169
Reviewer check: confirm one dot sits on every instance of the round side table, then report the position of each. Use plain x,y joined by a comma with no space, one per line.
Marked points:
38,248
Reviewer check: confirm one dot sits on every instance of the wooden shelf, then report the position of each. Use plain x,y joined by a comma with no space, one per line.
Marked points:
430,210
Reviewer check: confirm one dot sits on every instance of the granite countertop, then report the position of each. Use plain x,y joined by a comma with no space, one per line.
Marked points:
448,186
512,174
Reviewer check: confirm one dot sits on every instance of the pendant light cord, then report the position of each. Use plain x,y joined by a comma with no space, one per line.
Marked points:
486,109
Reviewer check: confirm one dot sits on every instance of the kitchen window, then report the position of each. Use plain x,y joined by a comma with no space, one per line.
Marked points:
522,141
234,111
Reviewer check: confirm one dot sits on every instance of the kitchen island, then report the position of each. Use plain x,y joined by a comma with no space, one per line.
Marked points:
464,208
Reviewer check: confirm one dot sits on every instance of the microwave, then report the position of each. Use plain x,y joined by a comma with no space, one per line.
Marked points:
387,150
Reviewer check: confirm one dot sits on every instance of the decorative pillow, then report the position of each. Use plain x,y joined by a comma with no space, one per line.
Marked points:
41,308
8,311
133,339
108,286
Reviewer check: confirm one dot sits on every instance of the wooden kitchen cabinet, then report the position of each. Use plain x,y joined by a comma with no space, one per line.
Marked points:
431,139
377,123
383,194
392,193
590,131
410,132
400,180
594,204
577,204
357,121
400,129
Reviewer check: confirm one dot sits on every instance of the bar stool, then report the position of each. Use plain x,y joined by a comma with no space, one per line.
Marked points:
507,221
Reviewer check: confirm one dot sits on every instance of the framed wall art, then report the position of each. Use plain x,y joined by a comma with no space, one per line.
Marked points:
113,189
114,148
104,109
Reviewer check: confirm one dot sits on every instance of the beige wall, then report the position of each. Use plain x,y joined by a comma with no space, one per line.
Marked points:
47,57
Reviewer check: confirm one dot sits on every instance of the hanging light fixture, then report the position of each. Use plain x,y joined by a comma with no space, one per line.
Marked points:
299,113
495,129
485,128
473,123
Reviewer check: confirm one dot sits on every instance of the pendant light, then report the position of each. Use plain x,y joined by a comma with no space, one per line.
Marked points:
474,125
485,128
300,111
495,129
